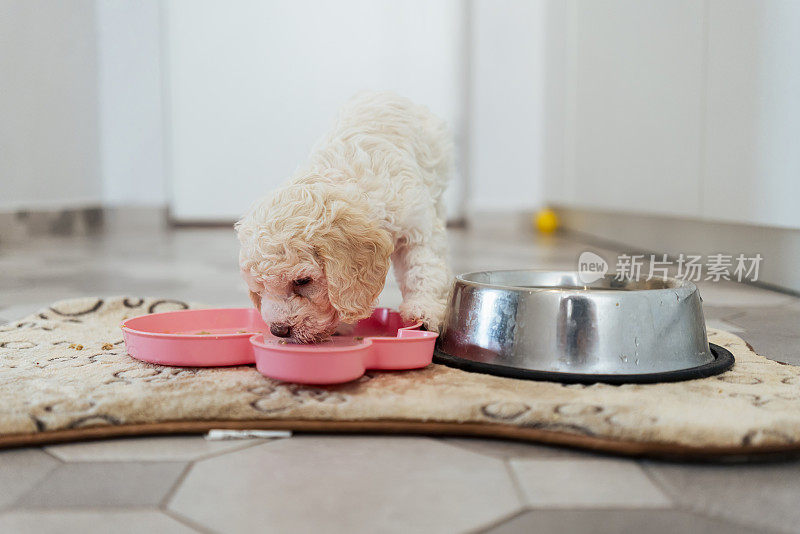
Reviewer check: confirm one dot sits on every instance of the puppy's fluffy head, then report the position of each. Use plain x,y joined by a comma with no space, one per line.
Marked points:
313,256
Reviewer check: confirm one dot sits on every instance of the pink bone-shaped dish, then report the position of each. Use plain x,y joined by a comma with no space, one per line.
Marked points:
238,336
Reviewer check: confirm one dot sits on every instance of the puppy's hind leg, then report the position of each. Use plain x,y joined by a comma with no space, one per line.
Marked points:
424,279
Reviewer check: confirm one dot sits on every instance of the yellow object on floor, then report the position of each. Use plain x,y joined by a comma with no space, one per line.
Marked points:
546,221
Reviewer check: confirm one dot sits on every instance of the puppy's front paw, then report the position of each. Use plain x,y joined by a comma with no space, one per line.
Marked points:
430,314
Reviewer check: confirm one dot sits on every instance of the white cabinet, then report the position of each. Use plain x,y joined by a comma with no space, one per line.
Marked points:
752,138
682,108
637,80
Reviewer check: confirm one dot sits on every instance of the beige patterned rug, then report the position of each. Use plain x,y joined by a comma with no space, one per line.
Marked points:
65,375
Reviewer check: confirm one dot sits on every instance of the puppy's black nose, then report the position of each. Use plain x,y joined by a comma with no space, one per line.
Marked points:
279,330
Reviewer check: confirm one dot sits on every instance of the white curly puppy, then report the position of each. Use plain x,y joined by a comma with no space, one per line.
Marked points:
316,252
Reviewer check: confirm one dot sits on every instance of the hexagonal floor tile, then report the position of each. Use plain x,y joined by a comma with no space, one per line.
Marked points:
772,332
22,469
148,449
615,521
90,521
508,449
587,483
104,484
734,294
346,484
762,495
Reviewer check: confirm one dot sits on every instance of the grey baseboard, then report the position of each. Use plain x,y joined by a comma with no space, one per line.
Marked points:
779,247
22,225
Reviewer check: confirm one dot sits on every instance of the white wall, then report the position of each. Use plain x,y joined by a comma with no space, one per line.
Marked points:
49,155
81,104
129,80
249,87
506,113
252,85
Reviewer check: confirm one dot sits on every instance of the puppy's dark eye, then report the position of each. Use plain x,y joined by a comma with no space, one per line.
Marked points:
301,282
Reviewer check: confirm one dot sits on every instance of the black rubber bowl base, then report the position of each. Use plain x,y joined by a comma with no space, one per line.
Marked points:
723,360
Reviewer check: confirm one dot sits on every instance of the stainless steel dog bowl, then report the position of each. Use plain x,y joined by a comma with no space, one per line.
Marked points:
551,326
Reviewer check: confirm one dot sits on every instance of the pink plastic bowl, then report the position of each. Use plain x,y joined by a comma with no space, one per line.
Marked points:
203,338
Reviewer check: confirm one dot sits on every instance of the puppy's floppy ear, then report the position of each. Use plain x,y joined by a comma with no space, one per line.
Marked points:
252,284
256,298
355,253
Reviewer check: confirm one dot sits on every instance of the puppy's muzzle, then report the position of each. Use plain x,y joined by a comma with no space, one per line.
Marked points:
280,330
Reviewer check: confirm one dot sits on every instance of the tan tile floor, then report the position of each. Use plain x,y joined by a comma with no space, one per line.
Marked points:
361,483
